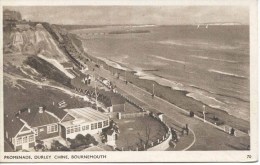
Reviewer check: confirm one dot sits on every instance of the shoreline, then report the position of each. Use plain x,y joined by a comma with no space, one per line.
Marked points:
176,97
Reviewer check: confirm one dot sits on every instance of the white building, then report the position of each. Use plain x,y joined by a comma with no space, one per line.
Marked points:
82,121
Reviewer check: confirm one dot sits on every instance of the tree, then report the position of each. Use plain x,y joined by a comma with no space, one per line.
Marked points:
145,137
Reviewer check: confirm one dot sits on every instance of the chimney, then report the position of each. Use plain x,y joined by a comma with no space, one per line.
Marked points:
29,110
40,109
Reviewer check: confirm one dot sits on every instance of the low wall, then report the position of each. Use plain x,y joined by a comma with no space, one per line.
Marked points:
162,146
133,115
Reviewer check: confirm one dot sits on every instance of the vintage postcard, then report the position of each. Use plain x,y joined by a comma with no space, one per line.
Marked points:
129,81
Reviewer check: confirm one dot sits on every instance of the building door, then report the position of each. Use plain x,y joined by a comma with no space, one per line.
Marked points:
63,132
116,136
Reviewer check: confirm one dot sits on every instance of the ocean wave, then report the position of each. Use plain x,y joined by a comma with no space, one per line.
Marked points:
214,59
113,64
206,97
226,73
223,95
177,43
162,81
208,100
167,59
198,44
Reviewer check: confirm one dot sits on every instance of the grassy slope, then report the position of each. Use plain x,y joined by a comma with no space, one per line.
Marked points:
48,70
33,97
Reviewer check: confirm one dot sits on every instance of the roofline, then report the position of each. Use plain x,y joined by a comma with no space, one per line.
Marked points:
52,114
45,125
64,116
91,111
19,131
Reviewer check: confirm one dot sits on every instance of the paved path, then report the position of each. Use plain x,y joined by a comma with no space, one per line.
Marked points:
207,136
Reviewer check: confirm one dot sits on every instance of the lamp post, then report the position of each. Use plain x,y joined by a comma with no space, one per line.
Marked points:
96,91
125,77
153,90
204,113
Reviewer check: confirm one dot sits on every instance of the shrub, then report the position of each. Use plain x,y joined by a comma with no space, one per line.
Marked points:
39,147
81,140
57,146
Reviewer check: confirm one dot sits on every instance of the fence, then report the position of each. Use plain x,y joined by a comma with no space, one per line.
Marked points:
132,102
133,115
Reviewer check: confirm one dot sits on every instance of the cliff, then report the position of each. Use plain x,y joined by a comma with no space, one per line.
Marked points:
32,40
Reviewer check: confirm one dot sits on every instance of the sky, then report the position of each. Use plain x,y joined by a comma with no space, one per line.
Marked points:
159,15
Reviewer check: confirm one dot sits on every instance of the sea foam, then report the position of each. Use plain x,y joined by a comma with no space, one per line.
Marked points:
226,73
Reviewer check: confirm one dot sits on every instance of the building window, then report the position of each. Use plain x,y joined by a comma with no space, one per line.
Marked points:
100,125
36,131
77,128
83,128
73,129
105,123
92,126
68,130
19,141
87,127
52,128
25,139
31,138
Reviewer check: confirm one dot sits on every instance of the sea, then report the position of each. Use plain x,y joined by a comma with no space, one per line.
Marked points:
210,63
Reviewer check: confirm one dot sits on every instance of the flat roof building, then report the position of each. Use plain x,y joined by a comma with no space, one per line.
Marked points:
83,121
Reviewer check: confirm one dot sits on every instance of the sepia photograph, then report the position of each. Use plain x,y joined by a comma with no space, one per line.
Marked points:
126,79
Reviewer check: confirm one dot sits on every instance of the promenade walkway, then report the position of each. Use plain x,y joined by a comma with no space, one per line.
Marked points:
206,136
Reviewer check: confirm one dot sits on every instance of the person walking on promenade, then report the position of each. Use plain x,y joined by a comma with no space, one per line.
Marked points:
187,129
232,131
183,130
